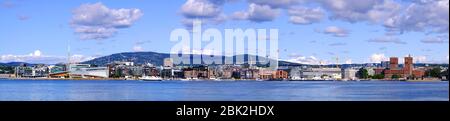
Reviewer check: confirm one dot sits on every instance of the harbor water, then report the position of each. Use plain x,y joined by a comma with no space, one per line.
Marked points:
90,90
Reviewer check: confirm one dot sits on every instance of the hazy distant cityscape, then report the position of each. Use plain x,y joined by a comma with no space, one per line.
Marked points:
130,70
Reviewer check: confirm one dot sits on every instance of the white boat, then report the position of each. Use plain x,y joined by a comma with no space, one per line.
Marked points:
150,78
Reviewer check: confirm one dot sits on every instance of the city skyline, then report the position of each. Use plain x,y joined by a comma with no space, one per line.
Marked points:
363,32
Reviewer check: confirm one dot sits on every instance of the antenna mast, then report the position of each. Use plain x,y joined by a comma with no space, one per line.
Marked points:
68,52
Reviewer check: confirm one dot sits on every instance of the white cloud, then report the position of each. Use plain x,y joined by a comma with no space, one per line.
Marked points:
79,58
419,59
209,11
336,31
276,3
387,39
435,40
349,61
96,21
257,13
311,60
360,10
37,53
138,48
302,15
423,15
240,15
377,58
200,8
38,58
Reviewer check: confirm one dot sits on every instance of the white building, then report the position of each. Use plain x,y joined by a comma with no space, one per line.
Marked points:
322,74
85,71
349,74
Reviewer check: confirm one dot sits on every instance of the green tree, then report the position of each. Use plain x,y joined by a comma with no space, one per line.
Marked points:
395,77
363,73
435,72
117,73
378,76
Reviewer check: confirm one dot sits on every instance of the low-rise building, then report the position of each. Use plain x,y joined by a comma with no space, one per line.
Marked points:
349,74
86,71
322,73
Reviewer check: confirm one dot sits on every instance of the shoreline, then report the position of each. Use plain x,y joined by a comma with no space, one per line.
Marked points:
118,79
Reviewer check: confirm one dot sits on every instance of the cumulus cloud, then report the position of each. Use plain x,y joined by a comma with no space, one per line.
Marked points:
276,3
378,57
38,57
138,48
96,21
360,10
348,61
335,31
201,8
302,15
209,11
422,15
36,53
257,13
387,39
419,59
307,60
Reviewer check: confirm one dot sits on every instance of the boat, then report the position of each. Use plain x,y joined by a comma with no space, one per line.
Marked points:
150,78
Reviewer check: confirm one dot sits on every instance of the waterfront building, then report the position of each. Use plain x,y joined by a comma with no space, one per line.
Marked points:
37,71
322,73
226,72
379,71
407,71
190,73
5,76
86,71
393,63
349,74
167,73
249,74
268,74
281,75
295,73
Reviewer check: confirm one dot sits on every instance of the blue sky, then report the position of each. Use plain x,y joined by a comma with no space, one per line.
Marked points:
310,31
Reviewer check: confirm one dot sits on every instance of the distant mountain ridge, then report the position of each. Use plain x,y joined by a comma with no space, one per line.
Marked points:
156,58
16,64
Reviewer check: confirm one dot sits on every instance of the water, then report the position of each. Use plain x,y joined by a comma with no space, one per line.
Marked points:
63,90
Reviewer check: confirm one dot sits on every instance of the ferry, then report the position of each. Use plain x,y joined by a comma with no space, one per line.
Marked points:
151,78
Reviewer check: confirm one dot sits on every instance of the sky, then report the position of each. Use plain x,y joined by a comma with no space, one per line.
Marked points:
310,31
